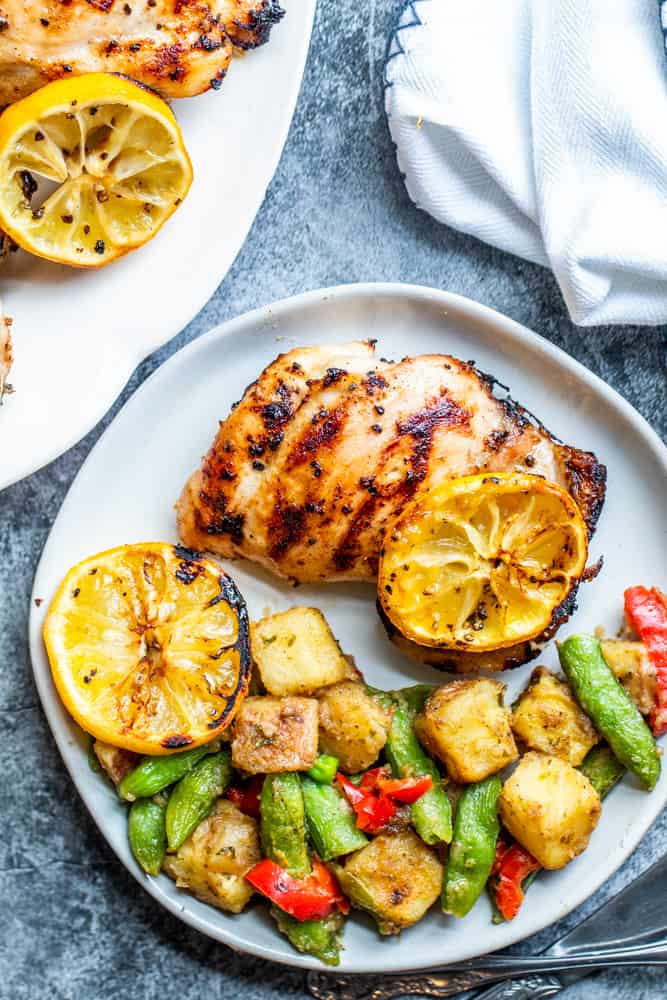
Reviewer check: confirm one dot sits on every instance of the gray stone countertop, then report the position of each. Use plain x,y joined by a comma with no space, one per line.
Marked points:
75,924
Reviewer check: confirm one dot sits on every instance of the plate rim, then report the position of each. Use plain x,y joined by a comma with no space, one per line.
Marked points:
172,328
514,331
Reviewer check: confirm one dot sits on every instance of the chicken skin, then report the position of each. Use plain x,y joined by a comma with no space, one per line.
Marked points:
330,443
178,47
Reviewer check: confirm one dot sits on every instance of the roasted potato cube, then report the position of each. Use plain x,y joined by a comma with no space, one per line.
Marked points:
631,664
465,725
396,878
275,734
353,725
550,808
115,763
295,653
547,718
215,857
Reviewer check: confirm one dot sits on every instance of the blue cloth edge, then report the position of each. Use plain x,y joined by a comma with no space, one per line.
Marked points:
395,45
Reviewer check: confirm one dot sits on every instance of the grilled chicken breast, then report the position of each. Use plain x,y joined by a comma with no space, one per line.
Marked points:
178,48
329,443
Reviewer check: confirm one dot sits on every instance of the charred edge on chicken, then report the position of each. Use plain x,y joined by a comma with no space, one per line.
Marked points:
254,27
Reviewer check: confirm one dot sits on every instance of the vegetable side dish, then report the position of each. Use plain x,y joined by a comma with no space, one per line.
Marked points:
328,794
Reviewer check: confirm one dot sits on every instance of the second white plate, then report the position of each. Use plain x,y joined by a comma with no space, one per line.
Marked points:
127,487
78,335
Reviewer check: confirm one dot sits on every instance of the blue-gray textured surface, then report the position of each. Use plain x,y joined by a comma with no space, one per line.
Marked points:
74,923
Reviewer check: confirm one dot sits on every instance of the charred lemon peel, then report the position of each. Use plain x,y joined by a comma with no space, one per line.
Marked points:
149,647
483,562
111,154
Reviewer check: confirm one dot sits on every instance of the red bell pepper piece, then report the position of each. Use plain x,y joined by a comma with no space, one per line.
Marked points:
372,811
407,789
246,796
512,865
373,798
646,612
312,898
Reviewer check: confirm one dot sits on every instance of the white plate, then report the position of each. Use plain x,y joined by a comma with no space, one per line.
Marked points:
78,335
127,486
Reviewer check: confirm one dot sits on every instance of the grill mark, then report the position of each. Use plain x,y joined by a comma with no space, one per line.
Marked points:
219,521
421,427
286,527
317,437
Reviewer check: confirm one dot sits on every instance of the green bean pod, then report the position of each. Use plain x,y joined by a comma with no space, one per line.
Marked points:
324,769
602,769
330,820
154,774
614,715
194,795
414,696
320,938
147,834
432,813
283,823
473,847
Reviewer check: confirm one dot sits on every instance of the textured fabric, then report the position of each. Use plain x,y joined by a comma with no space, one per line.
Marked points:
540,126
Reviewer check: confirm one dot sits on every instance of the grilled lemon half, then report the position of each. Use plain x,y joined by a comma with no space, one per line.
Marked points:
90,168
149,647
483,562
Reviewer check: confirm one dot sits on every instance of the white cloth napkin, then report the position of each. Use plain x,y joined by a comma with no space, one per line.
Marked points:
540,126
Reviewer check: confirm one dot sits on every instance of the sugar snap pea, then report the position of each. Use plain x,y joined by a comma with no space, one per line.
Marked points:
324,769
432,813
147,834
414,696
330,820
193,796
155,773
283,833
320,938
613,714
602,769
283,823
473,848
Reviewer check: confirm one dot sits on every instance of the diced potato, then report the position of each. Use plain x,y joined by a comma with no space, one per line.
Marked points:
353,725
215,857
550,808
396,878
547,718
296,653
465,725
631,664
115,763
275,734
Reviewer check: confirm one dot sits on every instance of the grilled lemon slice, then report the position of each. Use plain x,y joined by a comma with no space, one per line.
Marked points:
149,647
90,168
482,562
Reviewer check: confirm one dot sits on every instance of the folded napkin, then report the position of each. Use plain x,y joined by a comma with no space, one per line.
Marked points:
540,126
